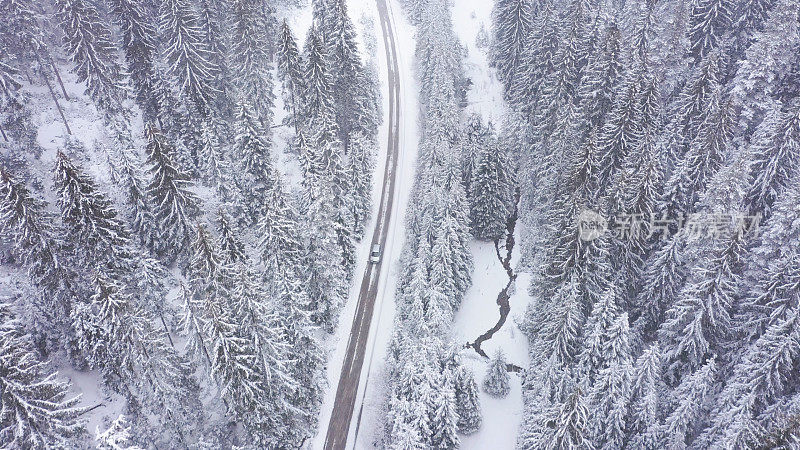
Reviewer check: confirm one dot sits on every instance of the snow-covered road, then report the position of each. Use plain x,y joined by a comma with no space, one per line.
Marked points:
357,359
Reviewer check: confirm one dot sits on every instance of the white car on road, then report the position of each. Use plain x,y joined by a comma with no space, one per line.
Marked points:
375,254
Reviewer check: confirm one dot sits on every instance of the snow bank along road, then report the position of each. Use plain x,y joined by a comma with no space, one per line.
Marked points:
345,401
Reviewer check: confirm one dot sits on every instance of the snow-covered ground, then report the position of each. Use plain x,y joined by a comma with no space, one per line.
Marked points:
478,313
479,310
486,95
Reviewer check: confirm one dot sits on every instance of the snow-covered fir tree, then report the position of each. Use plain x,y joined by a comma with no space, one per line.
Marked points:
117,436
89,42
37,411
137,23
496,381
188,56
168,188
290,71
491,191
467,403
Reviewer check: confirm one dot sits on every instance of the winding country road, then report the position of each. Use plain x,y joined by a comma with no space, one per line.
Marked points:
346,392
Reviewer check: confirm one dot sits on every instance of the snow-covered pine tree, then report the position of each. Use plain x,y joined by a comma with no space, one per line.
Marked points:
689,110
140,215
211,20
699,323
751,15
234,359
443,415
439,67
36,410
597,350
687,412
361,152
325,158
634,194
771,269
765,373
492,191
621,131
451,246
556,103
228,241
348,78
405,437
475,136
603,69
537,61
555,330
609,393
15,125
775,160
325,274
306,359
188,57
496,381
702,160
139,44
468,405
279,244
258,323
768,60
173,202
511,25
572,424
646,397
98,236
116,437
36,245
250,60
22,36
290,72
252,150
318,96
414,10
709,20
137,362
89,43
662,279
215,167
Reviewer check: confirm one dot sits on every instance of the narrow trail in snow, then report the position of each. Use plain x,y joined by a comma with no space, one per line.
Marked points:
503,297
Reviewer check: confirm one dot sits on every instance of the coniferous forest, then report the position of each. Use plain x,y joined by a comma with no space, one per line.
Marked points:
188,194
656,150
673,126
158,247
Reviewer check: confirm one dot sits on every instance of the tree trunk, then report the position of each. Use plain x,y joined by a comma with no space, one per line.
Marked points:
5,138
166,329
58,77
55,100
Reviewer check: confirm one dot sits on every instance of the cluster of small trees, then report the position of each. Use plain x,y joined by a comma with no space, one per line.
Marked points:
251,295
673,120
